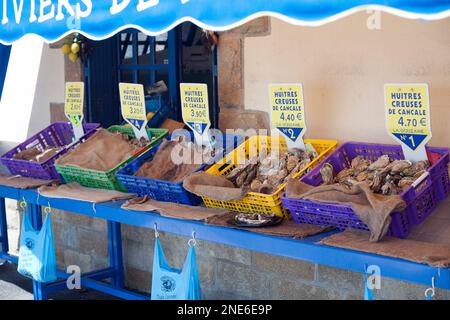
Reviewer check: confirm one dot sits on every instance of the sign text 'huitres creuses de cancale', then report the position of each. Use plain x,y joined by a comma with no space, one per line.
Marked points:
288,113
195,110
73,107
408,117
132,102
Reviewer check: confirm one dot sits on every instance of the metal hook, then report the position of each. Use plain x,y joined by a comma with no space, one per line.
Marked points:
430,292
192,242
156,230
48,209
23,204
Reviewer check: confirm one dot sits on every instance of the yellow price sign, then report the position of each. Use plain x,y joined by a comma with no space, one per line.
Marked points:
408,115
73,107
74,102
195,106
288,114
132,101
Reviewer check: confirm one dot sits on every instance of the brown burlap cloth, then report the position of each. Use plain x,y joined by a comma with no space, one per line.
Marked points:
373,209
287,228
216,187
103,151
22,182
162,167
75,191
172,210
412,250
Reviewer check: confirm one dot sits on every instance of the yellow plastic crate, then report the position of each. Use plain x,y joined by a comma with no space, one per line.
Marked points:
255,202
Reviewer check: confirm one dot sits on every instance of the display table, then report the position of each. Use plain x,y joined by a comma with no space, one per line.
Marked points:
305,250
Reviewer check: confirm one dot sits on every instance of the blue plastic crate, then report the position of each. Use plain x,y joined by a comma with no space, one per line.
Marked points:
166,190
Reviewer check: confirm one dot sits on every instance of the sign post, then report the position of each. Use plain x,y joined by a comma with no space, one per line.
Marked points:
132,102
408,117
288,114
195,110
73,107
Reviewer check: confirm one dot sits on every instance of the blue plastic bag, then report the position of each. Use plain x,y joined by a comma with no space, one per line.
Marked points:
37,258
174,284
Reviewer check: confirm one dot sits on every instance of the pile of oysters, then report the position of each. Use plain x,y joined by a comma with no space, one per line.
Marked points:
385,175
266,174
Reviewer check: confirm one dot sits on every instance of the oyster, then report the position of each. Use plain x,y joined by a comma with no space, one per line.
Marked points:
327,173
241,178
256,185
400,166
344,174
381,163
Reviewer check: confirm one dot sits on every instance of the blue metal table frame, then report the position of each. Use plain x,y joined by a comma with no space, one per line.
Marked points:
306,250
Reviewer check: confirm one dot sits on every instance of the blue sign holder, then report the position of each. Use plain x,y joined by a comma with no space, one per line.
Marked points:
306,250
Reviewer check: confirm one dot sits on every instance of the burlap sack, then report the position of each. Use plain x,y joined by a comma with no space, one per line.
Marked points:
172,210
219,188
22,182
103,152
77,192
165,167
421,252
373,209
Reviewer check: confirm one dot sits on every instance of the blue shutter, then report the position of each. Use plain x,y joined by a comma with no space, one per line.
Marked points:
4,59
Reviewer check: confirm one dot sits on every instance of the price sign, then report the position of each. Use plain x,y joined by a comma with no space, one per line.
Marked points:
288,114
195,110
408,117
132,102
73,107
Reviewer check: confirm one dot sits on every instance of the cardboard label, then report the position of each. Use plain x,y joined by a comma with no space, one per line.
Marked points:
288,114
132,102
408,117
73,107
195,110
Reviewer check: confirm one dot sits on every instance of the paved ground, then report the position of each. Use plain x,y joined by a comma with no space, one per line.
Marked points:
14,286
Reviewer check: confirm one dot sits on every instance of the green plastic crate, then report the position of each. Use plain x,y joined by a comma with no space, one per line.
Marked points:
107,179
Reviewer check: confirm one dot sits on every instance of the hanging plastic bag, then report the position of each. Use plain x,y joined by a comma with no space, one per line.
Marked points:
174,284
37,258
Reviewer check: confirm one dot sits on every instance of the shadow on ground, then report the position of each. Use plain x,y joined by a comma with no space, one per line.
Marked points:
14,286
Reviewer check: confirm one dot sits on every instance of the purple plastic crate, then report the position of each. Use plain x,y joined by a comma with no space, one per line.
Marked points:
58,134
421,199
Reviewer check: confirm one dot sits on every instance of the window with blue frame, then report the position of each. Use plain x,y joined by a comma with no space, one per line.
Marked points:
179,55
150,60
4,59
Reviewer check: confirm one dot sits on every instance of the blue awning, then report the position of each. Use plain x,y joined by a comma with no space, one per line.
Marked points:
99,19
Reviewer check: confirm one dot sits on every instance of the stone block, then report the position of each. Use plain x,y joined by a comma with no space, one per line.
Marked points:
77,219
137,255
283,267
286,289
73,71
57,112
139,280
230,73
242,280
244,119
219,251
65,235
217,294
92,242
138,234
84,261
257,27
345,281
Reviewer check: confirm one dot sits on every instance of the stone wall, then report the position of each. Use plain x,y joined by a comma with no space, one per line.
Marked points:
225,272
